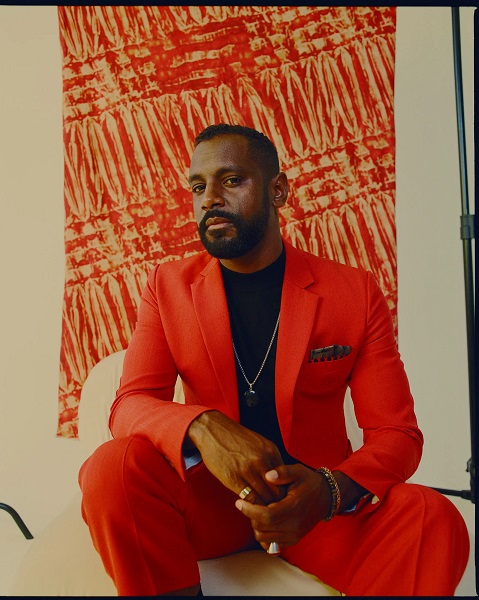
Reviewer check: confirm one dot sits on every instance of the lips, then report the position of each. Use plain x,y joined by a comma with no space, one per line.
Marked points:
217,223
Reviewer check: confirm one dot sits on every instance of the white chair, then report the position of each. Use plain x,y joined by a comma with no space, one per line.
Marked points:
63,562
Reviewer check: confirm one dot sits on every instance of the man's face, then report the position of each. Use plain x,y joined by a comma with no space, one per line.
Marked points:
230,196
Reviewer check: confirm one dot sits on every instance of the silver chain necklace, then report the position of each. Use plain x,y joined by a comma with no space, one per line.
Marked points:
252,397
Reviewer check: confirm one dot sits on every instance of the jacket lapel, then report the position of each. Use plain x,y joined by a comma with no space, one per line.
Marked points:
211,309
298,311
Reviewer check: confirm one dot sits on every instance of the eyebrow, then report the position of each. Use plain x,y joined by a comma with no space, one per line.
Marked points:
221,171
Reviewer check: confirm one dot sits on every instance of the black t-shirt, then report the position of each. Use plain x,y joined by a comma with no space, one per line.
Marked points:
254,302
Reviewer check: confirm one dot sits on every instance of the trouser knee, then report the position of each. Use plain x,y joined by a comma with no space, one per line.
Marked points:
423,498
440,518
120,468
134,504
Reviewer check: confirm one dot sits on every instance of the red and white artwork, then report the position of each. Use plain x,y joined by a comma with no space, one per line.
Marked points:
140,82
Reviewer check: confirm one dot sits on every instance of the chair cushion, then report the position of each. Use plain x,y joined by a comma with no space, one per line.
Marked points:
97,396
254,573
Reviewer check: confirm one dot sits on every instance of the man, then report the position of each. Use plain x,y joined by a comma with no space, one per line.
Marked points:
266,339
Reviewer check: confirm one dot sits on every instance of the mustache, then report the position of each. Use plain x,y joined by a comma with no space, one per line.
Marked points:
221,214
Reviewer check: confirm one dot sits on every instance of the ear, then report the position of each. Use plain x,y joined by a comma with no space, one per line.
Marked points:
279,190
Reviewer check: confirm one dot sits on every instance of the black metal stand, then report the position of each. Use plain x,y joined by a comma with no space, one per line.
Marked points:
18,520
467,235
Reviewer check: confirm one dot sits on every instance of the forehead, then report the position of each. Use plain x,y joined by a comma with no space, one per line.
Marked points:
223,151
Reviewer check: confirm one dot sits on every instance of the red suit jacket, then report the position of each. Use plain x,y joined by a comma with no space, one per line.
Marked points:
183,328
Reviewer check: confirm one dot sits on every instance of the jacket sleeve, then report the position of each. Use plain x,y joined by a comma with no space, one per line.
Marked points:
144,404
383,405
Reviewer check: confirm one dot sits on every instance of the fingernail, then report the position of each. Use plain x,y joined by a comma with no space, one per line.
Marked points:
239,504
272,475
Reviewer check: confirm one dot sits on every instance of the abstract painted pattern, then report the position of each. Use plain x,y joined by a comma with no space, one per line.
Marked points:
139,82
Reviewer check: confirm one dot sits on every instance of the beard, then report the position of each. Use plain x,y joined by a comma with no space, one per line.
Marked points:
248,232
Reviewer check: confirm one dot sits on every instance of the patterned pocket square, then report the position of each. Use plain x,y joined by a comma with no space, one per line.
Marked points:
329,353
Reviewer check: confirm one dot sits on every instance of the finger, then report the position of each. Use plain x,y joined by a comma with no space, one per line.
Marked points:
272,517
282,537
262,517
282,475
249,495
256,512
265,493
264,545
266,528
283,540
265,538
245,493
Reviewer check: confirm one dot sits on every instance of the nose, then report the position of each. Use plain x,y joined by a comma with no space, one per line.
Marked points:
212,197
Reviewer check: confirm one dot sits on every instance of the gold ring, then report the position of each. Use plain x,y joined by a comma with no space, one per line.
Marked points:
245,492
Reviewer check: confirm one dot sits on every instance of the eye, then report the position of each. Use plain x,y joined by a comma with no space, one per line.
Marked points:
232,181
197,188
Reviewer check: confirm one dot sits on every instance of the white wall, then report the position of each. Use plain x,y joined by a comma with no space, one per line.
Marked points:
38,470
431,307
36,474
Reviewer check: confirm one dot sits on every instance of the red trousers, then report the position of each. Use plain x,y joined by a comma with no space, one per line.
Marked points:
151,528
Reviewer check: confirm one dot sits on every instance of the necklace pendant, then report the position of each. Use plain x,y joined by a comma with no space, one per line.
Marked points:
251,397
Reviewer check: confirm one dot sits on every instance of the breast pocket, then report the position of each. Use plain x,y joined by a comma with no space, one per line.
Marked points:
322,379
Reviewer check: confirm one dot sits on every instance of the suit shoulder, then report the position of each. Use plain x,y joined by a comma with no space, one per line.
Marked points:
330,268
341,269
183,268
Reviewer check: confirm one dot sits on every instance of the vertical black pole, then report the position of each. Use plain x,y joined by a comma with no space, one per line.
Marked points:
467,235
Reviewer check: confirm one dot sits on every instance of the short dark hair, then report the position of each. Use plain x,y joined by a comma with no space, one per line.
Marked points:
260,145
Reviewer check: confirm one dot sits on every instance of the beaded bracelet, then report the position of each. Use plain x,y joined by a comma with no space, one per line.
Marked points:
335,495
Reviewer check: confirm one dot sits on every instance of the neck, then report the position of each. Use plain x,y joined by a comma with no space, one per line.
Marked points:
259,257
